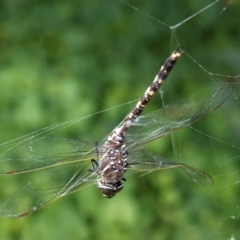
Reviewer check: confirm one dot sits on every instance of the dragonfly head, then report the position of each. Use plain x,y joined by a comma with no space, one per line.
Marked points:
109,189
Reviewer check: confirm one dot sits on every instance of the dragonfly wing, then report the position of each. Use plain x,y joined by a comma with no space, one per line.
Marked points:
163,122
48,186
36,153
143,160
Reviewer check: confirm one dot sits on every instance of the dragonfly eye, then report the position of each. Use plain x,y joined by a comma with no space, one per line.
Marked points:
109,189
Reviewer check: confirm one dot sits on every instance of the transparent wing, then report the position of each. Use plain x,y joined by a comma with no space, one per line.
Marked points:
142,160
160,123
37,153
50,185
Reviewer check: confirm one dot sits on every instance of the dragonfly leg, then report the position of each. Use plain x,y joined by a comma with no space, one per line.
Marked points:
94,165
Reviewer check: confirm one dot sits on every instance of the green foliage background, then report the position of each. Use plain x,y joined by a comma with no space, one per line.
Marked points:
61,60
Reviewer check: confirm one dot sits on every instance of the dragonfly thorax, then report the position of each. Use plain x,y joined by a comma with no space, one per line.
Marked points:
112,166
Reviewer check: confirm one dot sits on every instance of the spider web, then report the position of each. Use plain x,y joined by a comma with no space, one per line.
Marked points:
63,60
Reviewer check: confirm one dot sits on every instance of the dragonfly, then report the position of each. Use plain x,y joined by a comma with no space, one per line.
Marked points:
69,165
